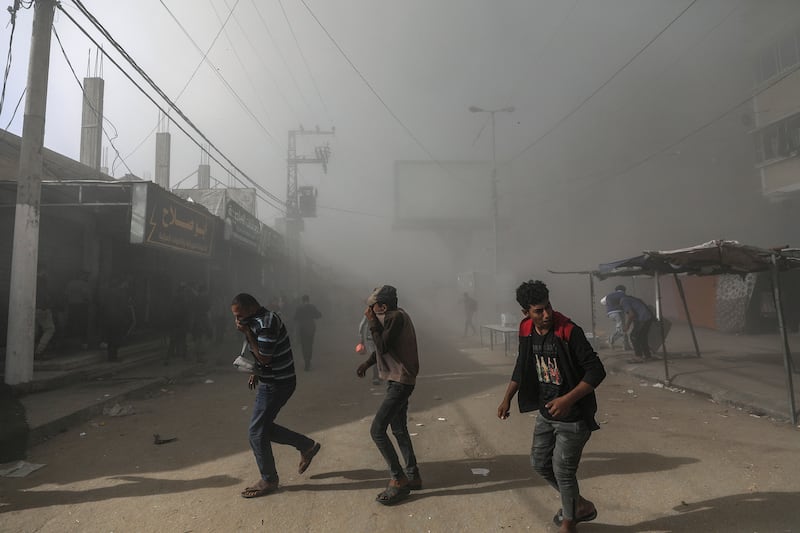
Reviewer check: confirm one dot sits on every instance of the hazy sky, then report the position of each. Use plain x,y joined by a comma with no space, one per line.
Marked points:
606,92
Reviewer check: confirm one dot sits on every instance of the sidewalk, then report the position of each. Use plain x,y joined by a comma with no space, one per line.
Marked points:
70,389
746,371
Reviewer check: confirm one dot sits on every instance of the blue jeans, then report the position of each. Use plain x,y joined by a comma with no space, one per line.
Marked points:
270,397
555,455
394,411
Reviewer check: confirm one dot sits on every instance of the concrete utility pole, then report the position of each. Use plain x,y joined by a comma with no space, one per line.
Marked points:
25,252
294,220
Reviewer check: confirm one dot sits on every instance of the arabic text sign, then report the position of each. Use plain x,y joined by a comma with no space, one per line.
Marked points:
173,223
246,228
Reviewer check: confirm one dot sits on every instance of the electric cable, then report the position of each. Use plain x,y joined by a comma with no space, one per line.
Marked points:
566,117
302,55
280,204
86,98
280,54
374,91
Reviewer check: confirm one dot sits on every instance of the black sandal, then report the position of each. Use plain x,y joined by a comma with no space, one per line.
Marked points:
392,494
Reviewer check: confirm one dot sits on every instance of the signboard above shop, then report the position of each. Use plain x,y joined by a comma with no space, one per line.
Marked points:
161,219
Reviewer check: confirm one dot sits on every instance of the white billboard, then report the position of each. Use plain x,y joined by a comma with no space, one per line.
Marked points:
431,194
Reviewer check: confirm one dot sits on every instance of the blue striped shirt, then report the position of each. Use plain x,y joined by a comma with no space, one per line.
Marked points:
273,340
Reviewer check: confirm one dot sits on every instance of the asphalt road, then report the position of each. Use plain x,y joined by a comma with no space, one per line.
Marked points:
664,461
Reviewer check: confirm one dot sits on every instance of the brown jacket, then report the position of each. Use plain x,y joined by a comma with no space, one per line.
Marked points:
396,347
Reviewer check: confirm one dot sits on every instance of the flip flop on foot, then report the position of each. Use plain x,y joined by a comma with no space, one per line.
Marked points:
393,494
262,488
635,361
559,517
307,456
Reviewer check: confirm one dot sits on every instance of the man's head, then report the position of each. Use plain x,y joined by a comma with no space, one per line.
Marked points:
383,298
244,305
620,288
534,298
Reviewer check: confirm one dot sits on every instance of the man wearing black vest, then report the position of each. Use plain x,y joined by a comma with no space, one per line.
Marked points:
556,372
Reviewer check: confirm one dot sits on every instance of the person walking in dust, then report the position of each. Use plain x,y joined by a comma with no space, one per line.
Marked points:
398,363
556,372
274,383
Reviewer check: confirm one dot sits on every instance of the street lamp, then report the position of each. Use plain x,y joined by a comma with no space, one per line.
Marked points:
508,109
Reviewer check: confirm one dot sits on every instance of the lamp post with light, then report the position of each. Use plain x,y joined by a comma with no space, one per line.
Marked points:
495,212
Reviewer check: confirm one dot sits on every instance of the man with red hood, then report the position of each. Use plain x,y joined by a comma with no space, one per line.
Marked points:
556,372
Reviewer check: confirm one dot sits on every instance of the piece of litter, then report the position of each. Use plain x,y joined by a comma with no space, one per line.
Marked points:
480,471
158,440
437,397
209,381
83,434
755,416
18,469
119,410
630,391
106,395
442,419
244,408
420,425
658,385
413,434
653,418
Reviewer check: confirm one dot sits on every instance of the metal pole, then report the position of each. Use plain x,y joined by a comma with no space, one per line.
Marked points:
25,251
494,214
787,355
661,327
686,310
591,296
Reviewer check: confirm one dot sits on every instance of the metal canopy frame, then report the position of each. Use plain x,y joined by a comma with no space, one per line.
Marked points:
710,258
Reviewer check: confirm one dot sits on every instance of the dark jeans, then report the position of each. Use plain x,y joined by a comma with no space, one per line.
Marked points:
555,455
270,397
307,346
639,338
394,411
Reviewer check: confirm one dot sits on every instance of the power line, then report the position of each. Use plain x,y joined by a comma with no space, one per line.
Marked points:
155,87
302,55
16,107
13,11
372,89
566,117
280,54
274,199
86,98
214,69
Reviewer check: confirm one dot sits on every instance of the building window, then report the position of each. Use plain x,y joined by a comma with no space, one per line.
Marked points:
778,141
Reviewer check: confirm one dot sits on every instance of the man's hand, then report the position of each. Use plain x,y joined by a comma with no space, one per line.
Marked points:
559,407
361,371
252,382
504,410
242,327
369,313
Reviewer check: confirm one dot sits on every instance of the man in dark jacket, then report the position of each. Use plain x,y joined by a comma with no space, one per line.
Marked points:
305,317
398,363
556,372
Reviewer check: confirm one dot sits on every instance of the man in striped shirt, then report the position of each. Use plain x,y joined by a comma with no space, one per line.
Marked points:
274,380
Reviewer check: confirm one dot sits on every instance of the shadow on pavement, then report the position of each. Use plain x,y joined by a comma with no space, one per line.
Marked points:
133,486
756,511
595,464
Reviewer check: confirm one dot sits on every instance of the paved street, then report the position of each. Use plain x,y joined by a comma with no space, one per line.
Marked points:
664,460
